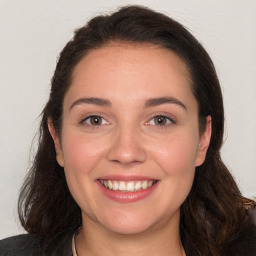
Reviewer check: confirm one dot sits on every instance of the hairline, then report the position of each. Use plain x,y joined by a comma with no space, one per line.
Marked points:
126,42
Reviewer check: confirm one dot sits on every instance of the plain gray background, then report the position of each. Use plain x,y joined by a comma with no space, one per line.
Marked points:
32,33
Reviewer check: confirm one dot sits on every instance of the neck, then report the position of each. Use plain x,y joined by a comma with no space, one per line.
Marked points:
95,241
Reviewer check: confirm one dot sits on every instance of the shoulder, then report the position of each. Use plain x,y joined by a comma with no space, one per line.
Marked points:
252,215
32,244
21,245
244,244
59,244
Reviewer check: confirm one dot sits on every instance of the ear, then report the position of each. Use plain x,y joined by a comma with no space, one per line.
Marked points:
204,142
57,144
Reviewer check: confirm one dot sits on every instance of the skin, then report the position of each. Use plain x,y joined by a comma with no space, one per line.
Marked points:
128,142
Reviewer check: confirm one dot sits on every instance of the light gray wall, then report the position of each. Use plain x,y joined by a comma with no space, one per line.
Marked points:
32,33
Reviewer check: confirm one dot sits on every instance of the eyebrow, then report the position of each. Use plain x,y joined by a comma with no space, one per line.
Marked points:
149,103
164,100
94,101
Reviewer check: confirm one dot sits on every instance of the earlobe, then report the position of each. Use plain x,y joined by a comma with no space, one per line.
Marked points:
56,140
204,142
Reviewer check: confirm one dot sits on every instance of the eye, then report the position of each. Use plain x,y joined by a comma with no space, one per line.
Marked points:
95,120
161,120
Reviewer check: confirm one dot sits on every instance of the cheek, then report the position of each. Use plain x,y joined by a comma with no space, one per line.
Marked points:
82,158
81,153
177,153
176,156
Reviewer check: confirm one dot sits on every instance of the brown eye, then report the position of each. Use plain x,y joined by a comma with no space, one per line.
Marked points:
95,120
161,120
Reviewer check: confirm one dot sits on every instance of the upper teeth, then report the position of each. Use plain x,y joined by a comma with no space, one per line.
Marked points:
127,185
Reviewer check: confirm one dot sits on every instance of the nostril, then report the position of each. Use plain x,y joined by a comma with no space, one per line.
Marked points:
127,154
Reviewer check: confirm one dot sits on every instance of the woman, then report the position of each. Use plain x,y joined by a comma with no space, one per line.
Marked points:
128,161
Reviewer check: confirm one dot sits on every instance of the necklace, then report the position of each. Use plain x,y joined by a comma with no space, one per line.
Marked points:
74,252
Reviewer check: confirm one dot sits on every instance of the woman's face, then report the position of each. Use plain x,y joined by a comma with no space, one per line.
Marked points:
130,138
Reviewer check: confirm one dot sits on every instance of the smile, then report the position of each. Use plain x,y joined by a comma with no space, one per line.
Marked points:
128,186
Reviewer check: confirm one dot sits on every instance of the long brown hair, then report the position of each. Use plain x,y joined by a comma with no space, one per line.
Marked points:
213,214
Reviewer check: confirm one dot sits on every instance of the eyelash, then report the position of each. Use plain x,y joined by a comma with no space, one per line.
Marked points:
167,119
83,121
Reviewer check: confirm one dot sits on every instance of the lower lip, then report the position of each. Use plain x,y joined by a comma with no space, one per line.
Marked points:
127,197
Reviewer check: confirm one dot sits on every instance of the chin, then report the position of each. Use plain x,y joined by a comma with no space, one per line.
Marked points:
128,229
132,224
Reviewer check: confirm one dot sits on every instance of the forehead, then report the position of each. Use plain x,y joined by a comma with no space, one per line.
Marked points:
122,69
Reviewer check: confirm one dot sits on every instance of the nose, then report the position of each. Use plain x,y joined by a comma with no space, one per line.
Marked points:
127,148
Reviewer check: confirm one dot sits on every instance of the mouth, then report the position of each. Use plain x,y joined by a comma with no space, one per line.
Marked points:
128,186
